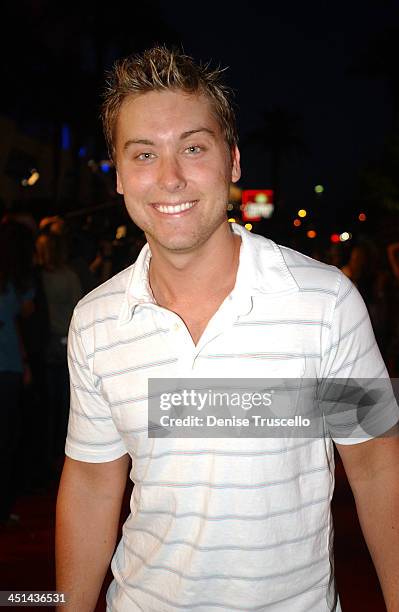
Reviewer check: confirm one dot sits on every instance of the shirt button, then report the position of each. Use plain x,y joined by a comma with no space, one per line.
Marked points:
176,326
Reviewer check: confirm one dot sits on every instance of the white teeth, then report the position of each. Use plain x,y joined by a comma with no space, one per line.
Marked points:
171,210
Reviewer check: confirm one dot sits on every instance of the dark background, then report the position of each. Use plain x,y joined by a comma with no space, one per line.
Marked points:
316,87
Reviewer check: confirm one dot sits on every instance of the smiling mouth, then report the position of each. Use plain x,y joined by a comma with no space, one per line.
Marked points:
173,209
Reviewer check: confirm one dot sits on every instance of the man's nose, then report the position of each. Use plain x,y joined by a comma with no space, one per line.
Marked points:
171,175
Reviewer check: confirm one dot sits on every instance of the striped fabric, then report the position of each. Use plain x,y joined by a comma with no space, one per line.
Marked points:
219,524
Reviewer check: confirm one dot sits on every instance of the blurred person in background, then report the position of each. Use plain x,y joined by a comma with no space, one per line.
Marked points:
335,255
34,332
83,251
102,265
393,345
62,291
368,268
393,258
359,269
16,300
52,225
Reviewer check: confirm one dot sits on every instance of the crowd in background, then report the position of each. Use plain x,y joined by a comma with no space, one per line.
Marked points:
375,272
44,270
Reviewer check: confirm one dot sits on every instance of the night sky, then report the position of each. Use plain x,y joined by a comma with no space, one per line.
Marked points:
305,57
301,56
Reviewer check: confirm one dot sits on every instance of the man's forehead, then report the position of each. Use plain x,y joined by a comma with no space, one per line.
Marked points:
162,94
171,112
144,106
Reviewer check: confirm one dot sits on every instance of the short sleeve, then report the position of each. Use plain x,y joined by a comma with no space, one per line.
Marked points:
356,394
92,435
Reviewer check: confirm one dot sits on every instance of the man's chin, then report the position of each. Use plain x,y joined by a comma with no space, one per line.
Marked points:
183,242
180,246
175,244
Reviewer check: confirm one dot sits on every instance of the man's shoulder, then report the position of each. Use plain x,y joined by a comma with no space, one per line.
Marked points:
312,274
280,269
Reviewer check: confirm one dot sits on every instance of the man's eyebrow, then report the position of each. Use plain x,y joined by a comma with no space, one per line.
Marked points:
143,141
191,132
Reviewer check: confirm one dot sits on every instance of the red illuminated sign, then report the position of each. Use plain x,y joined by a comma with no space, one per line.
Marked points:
257,204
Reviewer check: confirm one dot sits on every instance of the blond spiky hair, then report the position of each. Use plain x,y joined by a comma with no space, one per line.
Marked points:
158,69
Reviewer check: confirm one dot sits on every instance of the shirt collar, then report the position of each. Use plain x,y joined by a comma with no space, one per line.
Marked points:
262,269
138,289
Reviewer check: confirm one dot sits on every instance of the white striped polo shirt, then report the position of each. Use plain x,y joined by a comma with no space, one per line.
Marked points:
219,524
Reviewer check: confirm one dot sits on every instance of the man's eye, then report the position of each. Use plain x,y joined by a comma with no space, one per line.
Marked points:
144,156
194,149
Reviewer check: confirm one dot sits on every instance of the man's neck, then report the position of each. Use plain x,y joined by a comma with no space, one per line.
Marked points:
194,277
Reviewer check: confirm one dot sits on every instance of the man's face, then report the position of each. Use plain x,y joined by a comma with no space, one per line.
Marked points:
173,168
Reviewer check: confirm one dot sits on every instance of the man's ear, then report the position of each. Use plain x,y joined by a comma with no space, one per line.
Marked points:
119,187
236,168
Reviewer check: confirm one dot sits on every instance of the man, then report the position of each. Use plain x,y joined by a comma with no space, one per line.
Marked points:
215,524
